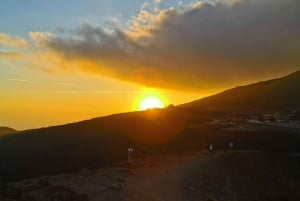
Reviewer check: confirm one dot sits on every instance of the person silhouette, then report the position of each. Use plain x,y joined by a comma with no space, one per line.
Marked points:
130,150
144,153
211,148
163,152
231,144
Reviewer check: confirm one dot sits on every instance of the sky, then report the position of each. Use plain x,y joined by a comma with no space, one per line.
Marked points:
63,61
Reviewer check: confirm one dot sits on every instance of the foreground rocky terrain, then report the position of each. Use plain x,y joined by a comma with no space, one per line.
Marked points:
219,176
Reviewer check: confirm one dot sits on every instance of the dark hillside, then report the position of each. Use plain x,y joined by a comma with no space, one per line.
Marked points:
6,131
281,95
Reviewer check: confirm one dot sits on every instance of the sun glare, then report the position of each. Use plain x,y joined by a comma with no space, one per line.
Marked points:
150,102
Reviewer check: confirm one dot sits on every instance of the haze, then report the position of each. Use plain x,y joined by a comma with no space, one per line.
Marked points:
62,62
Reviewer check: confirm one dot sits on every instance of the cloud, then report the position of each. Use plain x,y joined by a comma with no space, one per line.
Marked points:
10,55
39,37
200,46
20,80
13,41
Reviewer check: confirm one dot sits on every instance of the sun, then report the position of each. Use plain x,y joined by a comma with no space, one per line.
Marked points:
150,102
149,98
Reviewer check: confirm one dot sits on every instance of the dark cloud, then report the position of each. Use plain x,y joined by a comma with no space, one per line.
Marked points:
204,46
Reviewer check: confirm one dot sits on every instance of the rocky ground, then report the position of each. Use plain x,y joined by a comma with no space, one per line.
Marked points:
219,176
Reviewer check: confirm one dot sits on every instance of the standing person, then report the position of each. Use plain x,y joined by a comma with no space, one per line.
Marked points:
163,152
144,153
231,144
130,150
211,148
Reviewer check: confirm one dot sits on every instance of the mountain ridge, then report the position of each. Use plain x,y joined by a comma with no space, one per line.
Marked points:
6,131
280,94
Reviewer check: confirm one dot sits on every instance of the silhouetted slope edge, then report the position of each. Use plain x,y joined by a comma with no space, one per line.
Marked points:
6,130
280,94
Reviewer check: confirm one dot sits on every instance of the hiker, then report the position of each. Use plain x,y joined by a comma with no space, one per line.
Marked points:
163,152
231,144
144,153
130,150
211,148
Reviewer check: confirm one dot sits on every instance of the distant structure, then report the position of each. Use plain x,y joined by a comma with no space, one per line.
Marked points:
171,106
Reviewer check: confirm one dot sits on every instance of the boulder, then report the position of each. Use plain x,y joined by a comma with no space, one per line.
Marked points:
115,186
10,192
61,193
44,182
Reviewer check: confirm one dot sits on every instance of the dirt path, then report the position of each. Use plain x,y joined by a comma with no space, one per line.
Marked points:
243,176
163,179
153,179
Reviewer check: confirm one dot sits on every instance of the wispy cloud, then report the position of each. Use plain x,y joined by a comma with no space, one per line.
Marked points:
99,91
20,80
8,40
66,84
10,54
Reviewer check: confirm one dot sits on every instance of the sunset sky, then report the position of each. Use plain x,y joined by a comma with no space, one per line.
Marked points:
63,61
